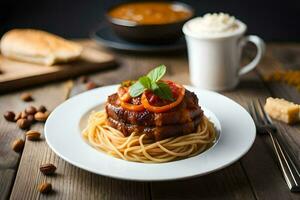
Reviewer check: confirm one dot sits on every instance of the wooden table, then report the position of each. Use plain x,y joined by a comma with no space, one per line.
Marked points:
255,176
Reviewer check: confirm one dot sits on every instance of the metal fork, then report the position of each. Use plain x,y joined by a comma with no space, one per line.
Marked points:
264,125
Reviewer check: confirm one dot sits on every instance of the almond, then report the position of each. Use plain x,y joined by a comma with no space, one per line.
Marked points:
9,116
45,188
33,135
23,115
30,118
31,110
47,169
42,109
41,117
18,145
18,116
26,97
23,123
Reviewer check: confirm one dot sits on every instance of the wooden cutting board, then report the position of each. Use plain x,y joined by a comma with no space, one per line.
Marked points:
17,75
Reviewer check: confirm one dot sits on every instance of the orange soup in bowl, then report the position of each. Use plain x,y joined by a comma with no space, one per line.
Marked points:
148,13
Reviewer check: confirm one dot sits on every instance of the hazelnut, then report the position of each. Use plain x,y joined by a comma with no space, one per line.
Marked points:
23,123
41,117
42,109
33,135
30,110
90,85
45,188
26,97
47,169
18,145
9,116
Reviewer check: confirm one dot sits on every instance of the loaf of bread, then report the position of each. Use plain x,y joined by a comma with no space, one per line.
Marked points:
38,46
282,110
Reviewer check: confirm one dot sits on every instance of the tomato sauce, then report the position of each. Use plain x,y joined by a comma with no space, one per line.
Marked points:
150,12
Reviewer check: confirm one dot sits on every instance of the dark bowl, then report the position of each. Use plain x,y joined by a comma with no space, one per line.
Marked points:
148,33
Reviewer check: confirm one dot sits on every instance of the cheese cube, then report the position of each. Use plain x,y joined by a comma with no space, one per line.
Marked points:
282,110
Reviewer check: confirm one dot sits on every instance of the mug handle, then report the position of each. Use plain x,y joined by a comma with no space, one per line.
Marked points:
260,45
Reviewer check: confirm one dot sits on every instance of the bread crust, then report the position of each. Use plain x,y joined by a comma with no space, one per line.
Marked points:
38,46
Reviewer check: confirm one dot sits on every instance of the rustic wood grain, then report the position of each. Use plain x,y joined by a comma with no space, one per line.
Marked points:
6,180
230,183
255,176
260,163
9,160
285,57
70,182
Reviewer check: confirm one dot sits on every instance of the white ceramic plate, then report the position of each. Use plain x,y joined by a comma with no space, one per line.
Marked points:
63,135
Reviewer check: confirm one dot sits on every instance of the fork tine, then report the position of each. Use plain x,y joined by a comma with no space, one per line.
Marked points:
256,117
266,117
260,111
256,112
251,111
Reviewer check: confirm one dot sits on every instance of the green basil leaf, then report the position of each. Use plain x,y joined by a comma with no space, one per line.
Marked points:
145,81
154,86
157,73
163,91
136,89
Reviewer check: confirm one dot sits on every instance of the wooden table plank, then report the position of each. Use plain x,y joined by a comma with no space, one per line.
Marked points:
7,177
230,183
260,164
9,160
286,58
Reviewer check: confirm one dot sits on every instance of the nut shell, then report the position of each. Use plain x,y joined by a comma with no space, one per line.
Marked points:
31,119
23,123
18,145
45,188
33,135
23,115
26,97
47,169
9,116
31,110
18,116
41,117
42,109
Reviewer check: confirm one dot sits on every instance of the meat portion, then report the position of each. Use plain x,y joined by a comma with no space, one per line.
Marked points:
185,112
181,120
155,132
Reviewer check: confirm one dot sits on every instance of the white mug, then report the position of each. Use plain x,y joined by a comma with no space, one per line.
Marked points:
214,62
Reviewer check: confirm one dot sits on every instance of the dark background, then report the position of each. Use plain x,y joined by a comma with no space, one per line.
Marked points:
272,20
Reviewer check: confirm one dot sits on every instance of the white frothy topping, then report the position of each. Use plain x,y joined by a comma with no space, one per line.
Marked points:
215,24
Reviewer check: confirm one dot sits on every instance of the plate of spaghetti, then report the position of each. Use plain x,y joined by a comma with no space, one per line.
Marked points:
150,129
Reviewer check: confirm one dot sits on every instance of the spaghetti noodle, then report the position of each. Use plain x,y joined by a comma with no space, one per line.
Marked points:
139,148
